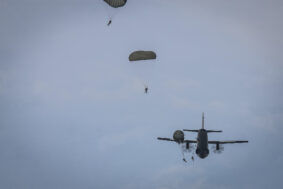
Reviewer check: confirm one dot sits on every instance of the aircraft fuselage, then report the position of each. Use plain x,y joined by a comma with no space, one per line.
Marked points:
202,144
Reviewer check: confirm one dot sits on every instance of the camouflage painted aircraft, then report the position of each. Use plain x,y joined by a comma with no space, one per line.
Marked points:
202,140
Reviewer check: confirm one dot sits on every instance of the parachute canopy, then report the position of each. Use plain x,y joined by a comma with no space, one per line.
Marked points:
142,55
116,3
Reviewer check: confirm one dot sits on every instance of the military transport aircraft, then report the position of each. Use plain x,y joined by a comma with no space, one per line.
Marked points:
202,140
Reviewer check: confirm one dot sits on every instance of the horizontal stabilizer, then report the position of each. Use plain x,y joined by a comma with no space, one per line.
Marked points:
168,139
228,142
190,130
214,131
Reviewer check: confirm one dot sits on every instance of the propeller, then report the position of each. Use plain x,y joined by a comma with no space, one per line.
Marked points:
188,147
218,148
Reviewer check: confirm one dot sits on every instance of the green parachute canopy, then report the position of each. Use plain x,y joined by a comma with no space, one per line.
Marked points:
142,55
116,3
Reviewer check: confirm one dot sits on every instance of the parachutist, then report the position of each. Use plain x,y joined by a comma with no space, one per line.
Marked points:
145,90
110,21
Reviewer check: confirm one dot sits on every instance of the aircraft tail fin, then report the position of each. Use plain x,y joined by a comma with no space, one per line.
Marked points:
202,127
202,123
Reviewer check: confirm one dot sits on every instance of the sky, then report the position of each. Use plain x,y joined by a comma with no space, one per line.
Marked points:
73,113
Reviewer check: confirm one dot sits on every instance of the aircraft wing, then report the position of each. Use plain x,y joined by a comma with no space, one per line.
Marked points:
168,139
190,141
228,142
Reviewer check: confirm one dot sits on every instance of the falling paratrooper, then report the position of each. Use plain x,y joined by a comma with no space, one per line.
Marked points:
142,55
115,4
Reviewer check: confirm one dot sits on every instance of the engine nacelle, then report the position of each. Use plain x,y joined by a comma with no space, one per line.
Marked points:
179,136
218,148
188,146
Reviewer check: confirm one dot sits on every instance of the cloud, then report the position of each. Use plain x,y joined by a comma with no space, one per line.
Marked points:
73,110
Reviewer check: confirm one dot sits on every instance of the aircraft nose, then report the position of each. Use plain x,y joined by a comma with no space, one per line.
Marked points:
202,156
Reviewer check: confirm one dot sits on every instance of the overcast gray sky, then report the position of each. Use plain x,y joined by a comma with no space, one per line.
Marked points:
72,109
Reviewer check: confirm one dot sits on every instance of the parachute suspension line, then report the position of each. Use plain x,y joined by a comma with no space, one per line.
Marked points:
107,11
112,15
